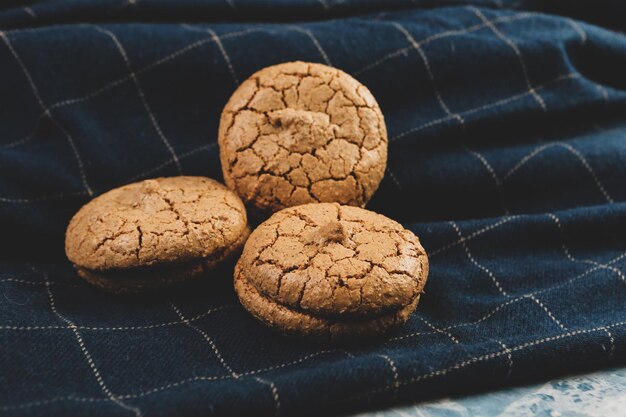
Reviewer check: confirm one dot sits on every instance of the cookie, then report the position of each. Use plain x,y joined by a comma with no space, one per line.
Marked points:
299,133
155,233
331,272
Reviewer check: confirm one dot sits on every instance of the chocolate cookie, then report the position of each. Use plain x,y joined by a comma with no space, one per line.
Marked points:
331,272
155,233
299,133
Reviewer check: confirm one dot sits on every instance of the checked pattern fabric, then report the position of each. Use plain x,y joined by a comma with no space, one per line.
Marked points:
507,156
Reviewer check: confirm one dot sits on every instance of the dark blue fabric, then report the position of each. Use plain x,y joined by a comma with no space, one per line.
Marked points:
507,156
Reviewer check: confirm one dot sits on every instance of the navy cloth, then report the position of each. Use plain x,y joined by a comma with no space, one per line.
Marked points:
507,156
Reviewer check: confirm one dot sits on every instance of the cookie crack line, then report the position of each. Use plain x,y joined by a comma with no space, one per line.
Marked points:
139,241
174,210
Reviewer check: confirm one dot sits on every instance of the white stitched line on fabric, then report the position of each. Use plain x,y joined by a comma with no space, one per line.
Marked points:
33,327
441,35
46,111
402,51
221,359
213,378
171,385
194,45
526,158
605,94
394,179
569,256
122,80
581,275
30,12
394,371
175,384
286,364
487,106
509,356
153,326
275,396
568,76
493,174
553,338
478,265
220,46
577,29
548,312
486,164
122,328
51,401
23,281
171,160
570,149
585,261
380,15
324,4
488,356
206,337
138,176
229,63
72,327
446,109
42,198
26,138
433,84
497,283
313,39
588,261
520,58
438,330
495,280
474,234
346,352
588,167
611,342
516,4
79,160
472,323
605,131
24,70
509,302
142,96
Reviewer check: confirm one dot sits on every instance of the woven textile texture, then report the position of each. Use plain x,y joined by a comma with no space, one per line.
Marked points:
507,156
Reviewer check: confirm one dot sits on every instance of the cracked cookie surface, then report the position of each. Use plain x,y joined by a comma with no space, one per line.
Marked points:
334,267
298,133
154,224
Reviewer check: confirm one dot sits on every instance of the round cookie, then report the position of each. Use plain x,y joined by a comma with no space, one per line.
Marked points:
155,233
298,133
331,272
